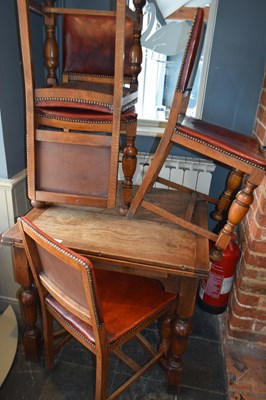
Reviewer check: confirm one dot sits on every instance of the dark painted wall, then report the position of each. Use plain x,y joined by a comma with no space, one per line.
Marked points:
11,93
236,70
97,5
12,104
237,64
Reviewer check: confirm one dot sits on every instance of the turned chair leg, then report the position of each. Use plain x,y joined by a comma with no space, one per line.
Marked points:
129,164
38,204
234,181
239,208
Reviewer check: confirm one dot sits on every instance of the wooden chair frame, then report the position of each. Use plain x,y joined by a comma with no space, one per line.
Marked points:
231,148
69,133
68,293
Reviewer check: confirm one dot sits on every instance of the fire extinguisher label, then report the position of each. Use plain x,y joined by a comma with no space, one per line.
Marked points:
227,284
214,285
214,291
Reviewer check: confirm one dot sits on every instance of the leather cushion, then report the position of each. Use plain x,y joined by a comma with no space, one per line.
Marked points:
223,140
89,44
127,303
71,320
191,53
89,96
77,115
54,103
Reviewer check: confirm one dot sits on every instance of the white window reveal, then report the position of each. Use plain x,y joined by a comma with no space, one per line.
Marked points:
163,47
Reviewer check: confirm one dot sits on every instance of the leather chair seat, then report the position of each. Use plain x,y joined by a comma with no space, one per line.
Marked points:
239,146
89,96
121,305
81,115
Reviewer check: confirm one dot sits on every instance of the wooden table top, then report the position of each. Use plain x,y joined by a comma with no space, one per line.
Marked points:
146,241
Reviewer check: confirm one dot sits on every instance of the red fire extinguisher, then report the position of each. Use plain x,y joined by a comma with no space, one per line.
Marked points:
214,292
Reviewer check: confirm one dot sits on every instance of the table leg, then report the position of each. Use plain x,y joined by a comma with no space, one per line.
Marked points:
181,329
28,299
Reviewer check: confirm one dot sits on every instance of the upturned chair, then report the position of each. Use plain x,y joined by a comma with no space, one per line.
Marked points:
233,149
101,309
73,124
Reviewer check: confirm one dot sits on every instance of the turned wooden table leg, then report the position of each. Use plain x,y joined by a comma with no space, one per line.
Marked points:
233,182
171,285
129,163
28,299
181,329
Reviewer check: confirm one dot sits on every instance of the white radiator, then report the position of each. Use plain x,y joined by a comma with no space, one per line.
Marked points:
195,173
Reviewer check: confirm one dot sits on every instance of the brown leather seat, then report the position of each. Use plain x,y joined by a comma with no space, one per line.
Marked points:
225,141
96,94
101,309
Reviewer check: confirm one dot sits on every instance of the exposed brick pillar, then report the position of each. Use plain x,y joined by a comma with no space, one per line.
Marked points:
246,317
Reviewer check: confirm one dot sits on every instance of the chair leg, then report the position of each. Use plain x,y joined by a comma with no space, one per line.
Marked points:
101,376
151,175
38,204
48,340
233,182
236,213
129,163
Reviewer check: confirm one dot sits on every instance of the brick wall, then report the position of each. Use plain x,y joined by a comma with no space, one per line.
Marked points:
246,317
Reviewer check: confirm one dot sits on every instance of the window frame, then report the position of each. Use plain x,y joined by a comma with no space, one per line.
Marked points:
155,127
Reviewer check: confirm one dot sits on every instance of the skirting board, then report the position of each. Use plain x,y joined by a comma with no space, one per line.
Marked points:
13,203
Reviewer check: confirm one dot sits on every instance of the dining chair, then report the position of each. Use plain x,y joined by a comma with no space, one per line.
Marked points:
242,153
99,308
74,121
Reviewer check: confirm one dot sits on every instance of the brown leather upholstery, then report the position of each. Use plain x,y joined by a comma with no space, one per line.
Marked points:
100,308
127,303
79,115
226,141
87,96
62,275
89,44
191,53
74,323
59,176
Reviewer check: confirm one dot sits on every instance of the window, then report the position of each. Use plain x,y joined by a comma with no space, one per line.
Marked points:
158,77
